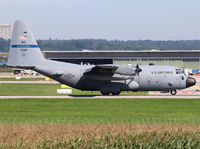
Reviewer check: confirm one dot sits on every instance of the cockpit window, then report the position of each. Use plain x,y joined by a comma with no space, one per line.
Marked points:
179,71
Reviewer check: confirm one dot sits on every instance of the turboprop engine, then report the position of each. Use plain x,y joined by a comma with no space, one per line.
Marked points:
128,70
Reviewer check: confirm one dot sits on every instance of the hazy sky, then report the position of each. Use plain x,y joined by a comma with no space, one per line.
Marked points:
106,19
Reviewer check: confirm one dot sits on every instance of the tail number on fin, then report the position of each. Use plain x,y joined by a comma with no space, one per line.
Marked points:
23,51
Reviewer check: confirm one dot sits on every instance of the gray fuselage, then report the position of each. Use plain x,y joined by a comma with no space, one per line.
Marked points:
151,78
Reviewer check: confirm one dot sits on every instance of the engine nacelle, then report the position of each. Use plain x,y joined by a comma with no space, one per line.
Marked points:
126,70
133,85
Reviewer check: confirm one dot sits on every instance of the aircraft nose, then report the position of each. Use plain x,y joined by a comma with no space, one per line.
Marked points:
190,82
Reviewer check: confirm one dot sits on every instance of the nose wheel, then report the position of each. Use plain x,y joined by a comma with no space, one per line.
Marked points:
173,92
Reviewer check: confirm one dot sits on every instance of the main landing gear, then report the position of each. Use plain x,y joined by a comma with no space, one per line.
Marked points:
115,93
105,92
173,92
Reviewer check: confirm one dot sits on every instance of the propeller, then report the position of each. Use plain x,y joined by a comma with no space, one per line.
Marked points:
138,69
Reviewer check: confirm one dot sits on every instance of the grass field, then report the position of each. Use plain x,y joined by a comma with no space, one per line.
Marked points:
99,123
95,123
46,89
110,136
100,111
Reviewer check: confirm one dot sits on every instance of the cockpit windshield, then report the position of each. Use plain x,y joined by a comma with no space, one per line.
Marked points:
179,71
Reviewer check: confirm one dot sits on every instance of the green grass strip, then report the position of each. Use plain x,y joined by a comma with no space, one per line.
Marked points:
36,111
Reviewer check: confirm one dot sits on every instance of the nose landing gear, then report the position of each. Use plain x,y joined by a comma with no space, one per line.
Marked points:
173,92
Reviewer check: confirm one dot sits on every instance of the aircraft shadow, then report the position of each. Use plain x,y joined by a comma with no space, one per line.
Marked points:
84,96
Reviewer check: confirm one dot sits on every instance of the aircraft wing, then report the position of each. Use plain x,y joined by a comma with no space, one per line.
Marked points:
104,73
110,72
102,69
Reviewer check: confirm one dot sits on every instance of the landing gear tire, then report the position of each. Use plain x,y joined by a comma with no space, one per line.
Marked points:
115,93
105,93
173,92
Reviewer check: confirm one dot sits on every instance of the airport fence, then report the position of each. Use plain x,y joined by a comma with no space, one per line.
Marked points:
80,120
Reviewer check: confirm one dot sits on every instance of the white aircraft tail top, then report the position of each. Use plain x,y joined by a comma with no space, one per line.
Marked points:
24,50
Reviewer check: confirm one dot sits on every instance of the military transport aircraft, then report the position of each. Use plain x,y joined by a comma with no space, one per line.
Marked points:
109,78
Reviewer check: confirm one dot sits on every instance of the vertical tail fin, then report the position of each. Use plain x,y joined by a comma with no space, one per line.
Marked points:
24,50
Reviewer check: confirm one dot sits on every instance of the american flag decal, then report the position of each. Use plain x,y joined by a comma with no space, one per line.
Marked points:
22,37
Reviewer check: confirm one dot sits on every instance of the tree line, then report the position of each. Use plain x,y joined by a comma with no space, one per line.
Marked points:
100,44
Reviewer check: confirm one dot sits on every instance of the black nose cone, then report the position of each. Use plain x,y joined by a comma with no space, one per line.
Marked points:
190,82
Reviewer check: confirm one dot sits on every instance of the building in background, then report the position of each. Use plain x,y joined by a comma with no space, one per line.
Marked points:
189,59
5,31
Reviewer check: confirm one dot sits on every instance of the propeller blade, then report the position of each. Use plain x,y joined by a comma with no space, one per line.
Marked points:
138,69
